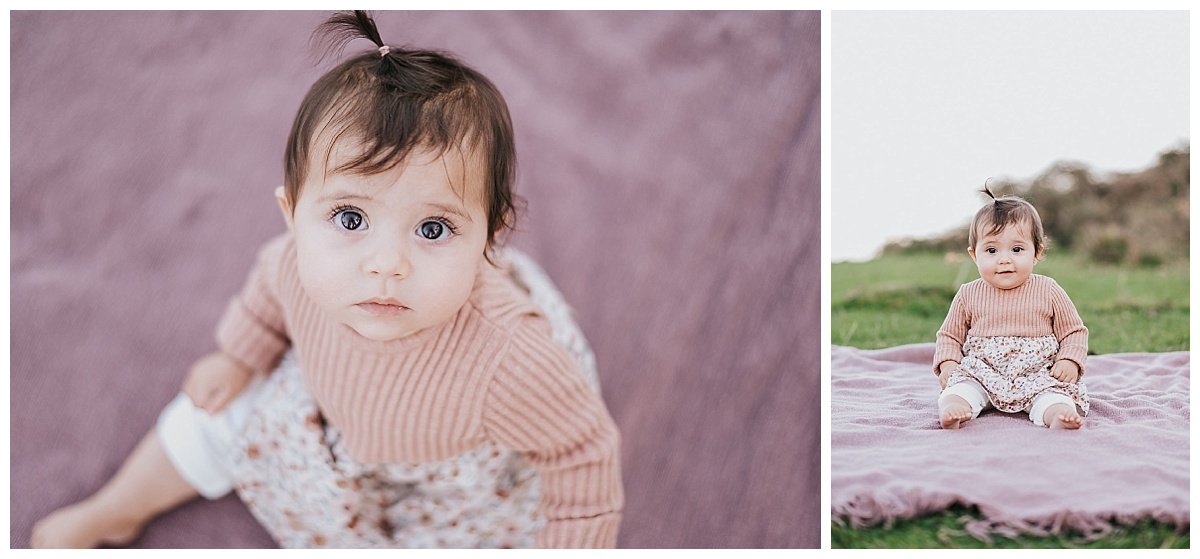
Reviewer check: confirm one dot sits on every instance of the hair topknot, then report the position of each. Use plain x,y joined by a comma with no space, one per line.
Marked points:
343,27
404,69
987,191
391,101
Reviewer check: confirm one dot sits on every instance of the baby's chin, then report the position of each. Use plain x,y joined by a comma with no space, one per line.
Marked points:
383,332
1006,281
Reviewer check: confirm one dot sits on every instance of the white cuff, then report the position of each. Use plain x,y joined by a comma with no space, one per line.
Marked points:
200,445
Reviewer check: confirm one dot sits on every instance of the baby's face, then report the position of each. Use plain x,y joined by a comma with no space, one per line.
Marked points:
394,253
1005,259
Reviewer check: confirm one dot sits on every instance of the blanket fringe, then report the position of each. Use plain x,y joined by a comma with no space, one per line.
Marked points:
864,512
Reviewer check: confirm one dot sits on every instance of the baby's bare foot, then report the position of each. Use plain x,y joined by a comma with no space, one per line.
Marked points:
954,414
85,524
1062,416
1066,420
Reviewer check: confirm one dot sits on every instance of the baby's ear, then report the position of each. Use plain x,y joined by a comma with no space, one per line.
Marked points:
971,251
284,206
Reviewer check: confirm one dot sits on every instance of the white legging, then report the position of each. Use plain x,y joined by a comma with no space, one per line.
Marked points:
977,397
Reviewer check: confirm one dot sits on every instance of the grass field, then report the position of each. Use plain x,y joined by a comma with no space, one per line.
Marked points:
944,530
903,299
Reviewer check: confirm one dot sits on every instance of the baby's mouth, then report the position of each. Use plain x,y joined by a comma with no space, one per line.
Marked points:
383,307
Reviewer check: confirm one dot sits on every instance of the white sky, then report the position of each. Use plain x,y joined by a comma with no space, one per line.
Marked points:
926,105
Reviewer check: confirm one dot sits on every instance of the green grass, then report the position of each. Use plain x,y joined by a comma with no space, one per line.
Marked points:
944,530
903,299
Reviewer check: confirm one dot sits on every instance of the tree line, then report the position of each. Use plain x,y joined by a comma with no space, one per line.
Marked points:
1138,217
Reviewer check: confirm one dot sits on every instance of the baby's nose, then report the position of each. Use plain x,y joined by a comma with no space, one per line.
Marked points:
388,259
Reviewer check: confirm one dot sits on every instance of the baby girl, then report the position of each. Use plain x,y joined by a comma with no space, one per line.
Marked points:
1012,340
423,399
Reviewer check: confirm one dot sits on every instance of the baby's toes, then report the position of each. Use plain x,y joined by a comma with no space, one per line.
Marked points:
1070,421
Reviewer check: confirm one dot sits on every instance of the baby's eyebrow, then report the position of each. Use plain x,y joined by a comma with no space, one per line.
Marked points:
344,195
451,210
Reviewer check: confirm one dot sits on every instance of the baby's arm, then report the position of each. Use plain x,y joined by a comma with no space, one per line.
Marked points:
253,331
1072,336
947,353
251,336
541,405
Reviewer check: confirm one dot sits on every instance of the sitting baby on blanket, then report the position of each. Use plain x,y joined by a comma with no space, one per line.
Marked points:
1012,339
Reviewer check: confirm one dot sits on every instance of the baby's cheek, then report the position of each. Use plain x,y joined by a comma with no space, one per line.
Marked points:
447,289
322,282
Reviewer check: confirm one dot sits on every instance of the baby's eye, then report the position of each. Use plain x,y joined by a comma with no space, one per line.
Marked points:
433,230
990,250
1017,249
350,219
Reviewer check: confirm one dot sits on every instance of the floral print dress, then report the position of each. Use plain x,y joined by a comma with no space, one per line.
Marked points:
1014,370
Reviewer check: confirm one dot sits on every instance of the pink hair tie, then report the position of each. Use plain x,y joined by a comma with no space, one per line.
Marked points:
384,50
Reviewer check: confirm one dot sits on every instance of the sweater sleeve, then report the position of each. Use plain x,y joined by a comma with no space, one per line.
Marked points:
953,333
1069,329
252,329
538,403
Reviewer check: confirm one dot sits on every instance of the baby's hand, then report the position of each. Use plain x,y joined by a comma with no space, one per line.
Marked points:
1065,371
944,371
214,380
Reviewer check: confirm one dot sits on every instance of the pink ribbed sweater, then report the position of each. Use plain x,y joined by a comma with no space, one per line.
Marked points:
491,373
1038,307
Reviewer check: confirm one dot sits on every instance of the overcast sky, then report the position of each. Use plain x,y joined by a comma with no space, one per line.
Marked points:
926,105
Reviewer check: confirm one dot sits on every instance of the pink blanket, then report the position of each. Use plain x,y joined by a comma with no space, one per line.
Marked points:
890,458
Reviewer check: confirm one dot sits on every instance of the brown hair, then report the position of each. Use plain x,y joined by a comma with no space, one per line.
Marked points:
1005,211
392,100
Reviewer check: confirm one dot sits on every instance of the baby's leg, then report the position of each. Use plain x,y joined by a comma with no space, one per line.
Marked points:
185,455
1056,411
146,485
960,402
